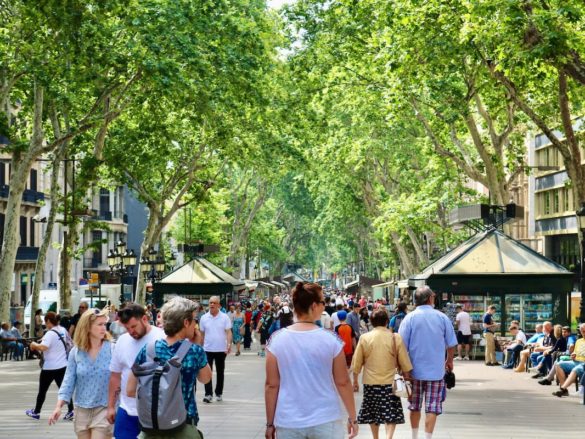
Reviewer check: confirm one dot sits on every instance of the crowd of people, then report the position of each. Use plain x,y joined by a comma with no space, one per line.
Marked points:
317,345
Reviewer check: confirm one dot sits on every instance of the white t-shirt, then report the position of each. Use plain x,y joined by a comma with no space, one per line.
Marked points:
307,395
123,358
335,320
214,329
325,320
464,321
56,355
521,337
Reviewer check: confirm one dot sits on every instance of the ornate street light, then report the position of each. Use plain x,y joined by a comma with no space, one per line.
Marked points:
153,266
121,262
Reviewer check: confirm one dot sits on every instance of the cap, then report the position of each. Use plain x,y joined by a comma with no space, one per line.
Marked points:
341,315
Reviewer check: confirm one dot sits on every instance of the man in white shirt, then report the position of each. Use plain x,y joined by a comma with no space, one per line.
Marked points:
463,323
216,329
334,319
325,320
139,333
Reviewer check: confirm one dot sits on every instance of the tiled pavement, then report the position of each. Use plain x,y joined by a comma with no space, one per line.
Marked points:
488,402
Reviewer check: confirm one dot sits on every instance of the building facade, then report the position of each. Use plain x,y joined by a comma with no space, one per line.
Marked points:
554,208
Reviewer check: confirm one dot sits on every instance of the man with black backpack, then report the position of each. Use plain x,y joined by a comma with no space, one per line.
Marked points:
163,376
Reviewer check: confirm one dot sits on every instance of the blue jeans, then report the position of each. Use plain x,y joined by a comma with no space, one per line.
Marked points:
18,349
126,426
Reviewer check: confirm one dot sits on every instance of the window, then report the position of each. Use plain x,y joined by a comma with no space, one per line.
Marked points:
566,199
2,174
33,179
96,236
23,231
32,232
556,201
104,201
546,206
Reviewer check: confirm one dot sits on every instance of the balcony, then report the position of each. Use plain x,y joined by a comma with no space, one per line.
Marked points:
91,262
27,254
29,195
104,215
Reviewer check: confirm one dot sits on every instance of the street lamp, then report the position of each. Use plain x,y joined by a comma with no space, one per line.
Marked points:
121,262
153,266
581,223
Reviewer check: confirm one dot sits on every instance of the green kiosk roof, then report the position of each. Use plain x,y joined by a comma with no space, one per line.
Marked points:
198,276
491,261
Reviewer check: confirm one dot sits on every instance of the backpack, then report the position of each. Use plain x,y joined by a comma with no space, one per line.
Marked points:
66,340
397,321
159,396
275,326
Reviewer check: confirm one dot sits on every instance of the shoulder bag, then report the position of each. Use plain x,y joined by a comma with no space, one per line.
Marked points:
400,387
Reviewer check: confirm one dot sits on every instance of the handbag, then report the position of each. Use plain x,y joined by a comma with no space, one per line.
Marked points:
242,330
400,387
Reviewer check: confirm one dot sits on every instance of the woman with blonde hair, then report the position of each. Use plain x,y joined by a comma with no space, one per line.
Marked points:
87,377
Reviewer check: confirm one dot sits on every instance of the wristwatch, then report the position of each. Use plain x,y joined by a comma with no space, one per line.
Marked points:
269,425
352,421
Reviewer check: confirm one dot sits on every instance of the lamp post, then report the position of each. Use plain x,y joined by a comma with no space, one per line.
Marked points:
121,262
153,266
581,224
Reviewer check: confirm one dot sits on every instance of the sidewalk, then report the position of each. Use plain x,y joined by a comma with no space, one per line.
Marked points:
488,402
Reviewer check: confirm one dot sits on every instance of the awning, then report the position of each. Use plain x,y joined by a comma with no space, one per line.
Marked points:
493,262
251,285
199,276
352,284
278,284
385,284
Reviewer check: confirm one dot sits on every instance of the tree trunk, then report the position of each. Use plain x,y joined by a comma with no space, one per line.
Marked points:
422,257
39,269
148,242
21,166
403,255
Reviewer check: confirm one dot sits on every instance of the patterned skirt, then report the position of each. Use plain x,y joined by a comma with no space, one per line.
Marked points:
379,406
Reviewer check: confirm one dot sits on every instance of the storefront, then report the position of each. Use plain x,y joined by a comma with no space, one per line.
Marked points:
492,268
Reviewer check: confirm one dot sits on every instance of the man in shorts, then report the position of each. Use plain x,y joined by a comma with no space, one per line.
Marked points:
463,322
429,338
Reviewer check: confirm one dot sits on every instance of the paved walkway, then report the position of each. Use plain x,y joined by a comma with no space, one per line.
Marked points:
488,402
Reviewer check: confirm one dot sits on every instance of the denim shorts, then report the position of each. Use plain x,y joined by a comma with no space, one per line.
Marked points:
568,366
329,430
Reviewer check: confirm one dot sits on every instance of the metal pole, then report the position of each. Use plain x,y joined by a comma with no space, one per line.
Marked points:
582,281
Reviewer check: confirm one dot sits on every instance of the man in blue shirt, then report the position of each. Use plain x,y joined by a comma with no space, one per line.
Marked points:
489,327
429,336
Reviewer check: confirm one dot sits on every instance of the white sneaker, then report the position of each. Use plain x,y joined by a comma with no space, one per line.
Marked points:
458,358
466,358
218,398
208,399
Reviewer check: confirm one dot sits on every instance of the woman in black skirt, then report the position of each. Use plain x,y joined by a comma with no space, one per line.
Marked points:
380,353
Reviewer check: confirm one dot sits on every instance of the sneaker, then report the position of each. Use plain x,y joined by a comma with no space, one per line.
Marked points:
218,398
31,414
466,358
561,392
208,399
69,416
545,382
458,358
507,366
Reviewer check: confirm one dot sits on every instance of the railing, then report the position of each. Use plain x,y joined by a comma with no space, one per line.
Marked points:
91,262
103,215
28,196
